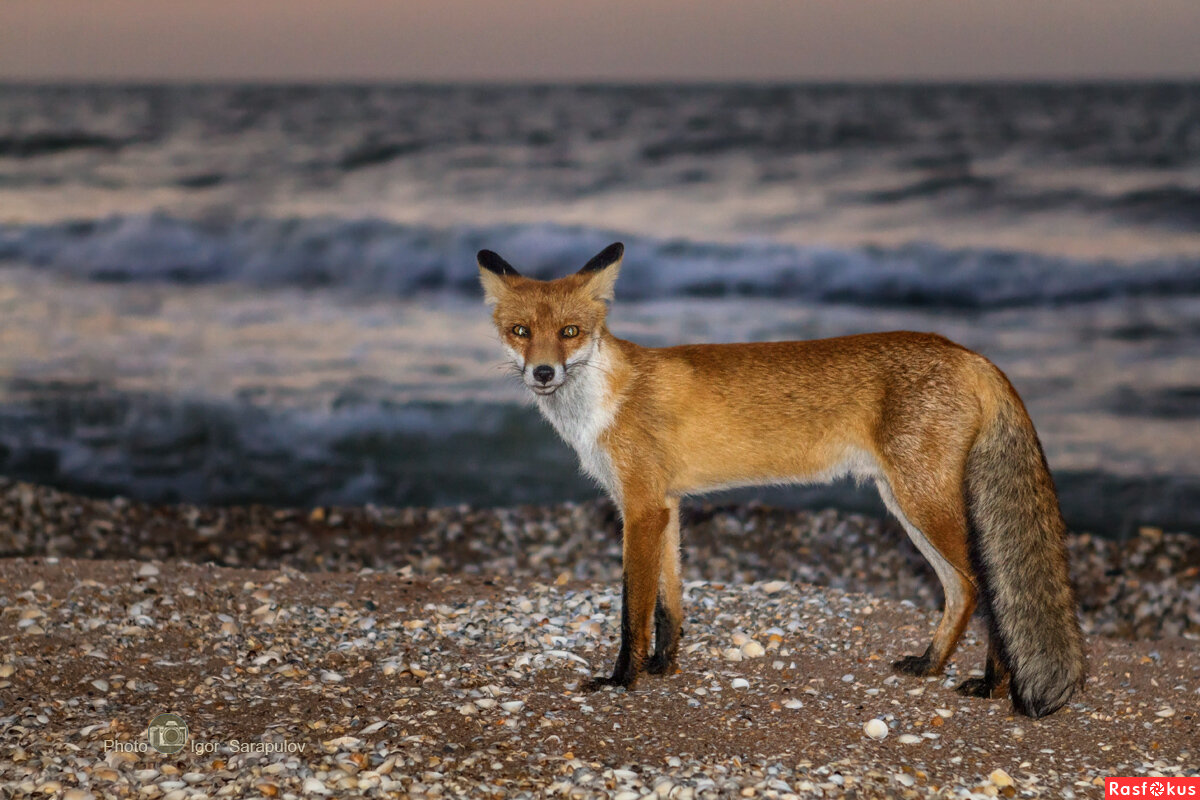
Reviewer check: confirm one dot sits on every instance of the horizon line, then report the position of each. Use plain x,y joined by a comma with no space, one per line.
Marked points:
7,80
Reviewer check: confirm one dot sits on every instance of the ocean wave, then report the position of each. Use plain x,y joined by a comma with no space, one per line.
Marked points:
381,257
932,187
1171,204
92,438
1168,204
55,142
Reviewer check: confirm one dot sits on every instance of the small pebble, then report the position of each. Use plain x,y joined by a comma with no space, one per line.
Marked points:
314,786
1000,778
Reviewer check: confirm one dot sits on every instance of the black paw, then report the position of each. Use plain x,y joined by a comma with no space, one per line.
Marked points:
660,665
595,684
919,666
976,687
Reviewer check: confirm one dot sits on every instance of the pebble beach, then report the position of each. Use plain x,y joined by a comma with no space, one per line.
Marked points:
440,653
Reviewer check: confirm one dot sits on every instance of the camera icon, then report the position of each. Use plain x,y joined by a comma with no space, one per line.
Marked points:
167,733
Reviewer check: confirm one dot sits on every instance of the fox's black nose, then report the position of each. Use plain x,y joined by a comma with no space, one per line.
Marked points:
543,373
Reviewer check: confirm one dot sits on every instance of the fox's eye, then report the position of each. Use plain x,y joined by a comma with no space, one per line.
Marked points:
570,332
520,330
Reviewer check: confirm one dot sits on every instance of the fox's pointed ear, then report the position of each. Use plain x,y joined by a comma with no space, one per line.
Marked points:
603,269
494,273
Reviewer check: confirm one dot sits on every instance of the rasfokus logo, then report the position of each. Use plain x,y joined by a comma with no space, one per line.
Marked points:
1152,787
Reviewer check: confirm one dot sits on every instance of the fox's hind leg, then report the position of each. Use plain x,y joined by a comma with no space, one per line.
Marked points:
668,610
939,530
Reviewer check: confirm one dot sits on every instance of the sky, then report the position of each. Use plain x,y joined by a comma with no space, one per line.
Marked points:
597,40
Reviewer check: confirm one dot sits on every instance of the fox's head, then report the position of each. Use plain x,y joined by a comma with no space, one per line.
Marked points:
550,328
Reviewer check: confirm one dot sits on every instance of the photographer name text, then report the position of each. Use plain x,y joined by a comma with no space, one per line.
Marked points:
201,748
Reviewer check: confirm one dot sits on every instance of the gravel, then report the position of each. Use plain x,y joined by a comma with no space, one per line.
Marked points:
1144,587
439,653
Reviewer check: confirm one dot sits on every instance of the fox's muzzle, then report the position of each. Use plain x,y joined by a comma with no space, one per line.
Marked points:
544,379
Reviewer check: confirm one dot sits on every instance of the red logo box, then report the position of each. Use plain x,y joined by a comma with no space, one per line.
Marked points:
1152,788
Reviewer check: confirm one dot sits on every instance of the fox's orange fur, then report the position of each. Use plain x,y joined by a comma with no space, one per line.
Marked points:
936,427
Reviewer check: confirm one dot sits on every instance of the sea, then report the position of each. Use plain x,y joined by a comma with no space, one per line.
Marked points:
237,293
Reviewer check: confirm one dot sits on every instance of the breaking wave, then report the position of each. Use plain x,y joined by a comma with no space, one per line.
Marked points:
377,256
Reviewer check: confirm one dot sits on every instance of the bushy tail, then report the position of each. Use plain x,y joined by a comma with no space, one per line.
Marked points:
1019,553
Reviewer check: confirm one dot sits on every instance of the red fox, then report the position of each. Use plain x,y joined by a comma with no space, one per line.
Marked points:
938,429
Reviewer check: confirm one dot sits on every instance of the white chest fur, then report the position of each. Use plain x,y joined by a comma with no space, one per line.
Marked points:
581,411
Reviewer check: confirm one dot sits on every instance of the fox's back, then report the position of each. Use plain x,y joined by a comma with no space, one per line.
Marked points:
784,409
864,354
806,376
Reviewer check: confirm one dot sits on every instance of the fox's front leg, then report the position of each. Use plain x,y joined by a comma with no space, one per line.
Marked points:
668,612
642,552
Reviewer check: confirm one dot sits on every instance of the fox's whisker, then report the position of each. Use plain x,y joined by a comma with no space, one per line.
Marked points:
588,363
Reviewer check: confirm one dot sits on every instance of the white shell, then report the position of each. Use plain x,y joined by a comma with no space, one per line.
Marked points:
876,729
